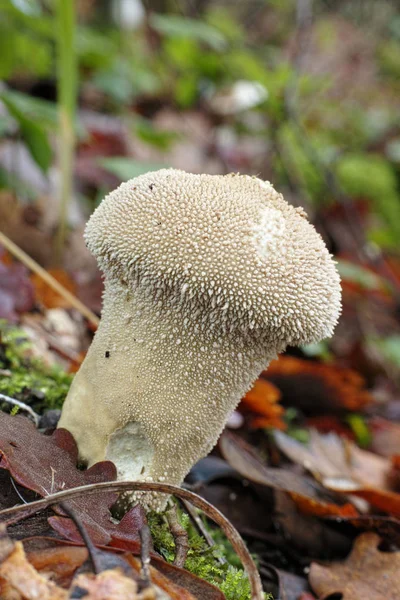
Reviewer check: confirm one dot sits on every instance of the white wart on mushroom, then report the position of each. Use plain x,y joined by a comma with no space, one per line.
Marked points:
207,278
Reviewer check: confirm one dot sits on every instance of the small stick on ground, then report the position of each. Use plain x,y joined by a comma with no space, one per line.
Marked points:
180,537
200,526
145,543
49,279
91,548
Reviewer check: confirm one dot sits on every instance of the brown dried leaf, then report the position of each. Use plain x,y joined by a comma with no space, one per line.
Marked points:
310,496
108,585
343,467
385,436
317,388
367,574
48,297
60,560
20,580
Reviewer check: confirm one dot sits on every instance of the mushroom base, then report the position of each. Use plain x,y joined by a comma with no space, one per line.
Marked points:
131,451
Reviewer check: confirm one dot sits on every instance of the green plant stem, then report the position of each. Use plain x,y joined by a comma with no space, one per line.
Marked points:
67,89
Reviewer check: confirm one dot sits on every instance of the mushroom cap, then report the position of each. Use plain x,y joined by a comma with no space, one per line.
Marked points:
227,248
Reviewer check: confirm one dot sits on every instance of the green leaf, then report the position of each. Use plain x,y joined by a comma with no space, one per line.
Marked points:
360,429
33,134
32,108
372,176
126,168
175,26
389,347
356,274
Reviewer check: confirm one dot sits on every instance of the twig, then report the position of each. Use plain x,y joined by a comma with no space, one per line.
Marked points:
49,279
23,406
145,539
200,526
213,513
180,537
91,548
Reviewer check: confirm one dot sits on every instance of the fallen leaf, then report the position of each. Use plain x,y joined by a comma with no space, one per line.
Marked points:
385,436
366,574
343,467
386,527
46,464
107,585
317,388
262,402
309,495
16,291
20,580
60,560
48,297
290,586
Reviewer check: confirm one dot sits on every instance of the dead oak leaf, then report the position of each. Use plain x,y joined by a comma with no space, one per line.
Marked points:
47,464
366,574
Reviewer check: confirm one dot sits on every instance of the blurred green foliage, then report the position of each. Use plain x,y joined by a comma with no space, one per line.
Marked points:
314,129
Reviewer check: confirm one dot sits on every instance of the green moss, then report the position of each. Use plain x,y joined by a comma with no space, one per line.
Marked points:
26,378
201,559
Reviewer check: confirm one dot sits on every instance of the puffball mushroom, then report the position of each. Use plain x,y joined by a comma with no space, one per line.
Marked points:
207,278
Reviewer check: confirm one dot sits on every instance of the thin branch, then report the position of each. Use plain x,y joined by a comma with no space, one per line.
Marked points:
91,548
49,279
180,536
21,512
22,406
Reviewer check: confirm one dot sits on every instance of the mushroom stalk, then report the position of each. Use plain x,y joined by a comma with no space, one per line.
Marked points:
171,385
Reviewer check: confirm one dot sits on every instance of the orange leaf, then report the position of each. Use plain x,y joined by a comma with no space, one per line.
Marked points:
317,387
49,297
315,508
263,400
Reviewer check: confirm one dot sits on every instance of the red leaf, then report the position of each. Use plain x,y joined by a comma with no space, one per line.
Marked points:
47,464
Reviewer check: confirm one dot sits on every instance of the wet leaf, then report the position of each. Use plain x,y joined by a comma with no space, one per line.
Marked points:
367,574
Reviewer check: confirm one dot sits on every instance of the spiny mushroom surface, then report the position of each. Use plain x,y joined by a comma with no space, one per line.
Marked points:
207,278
